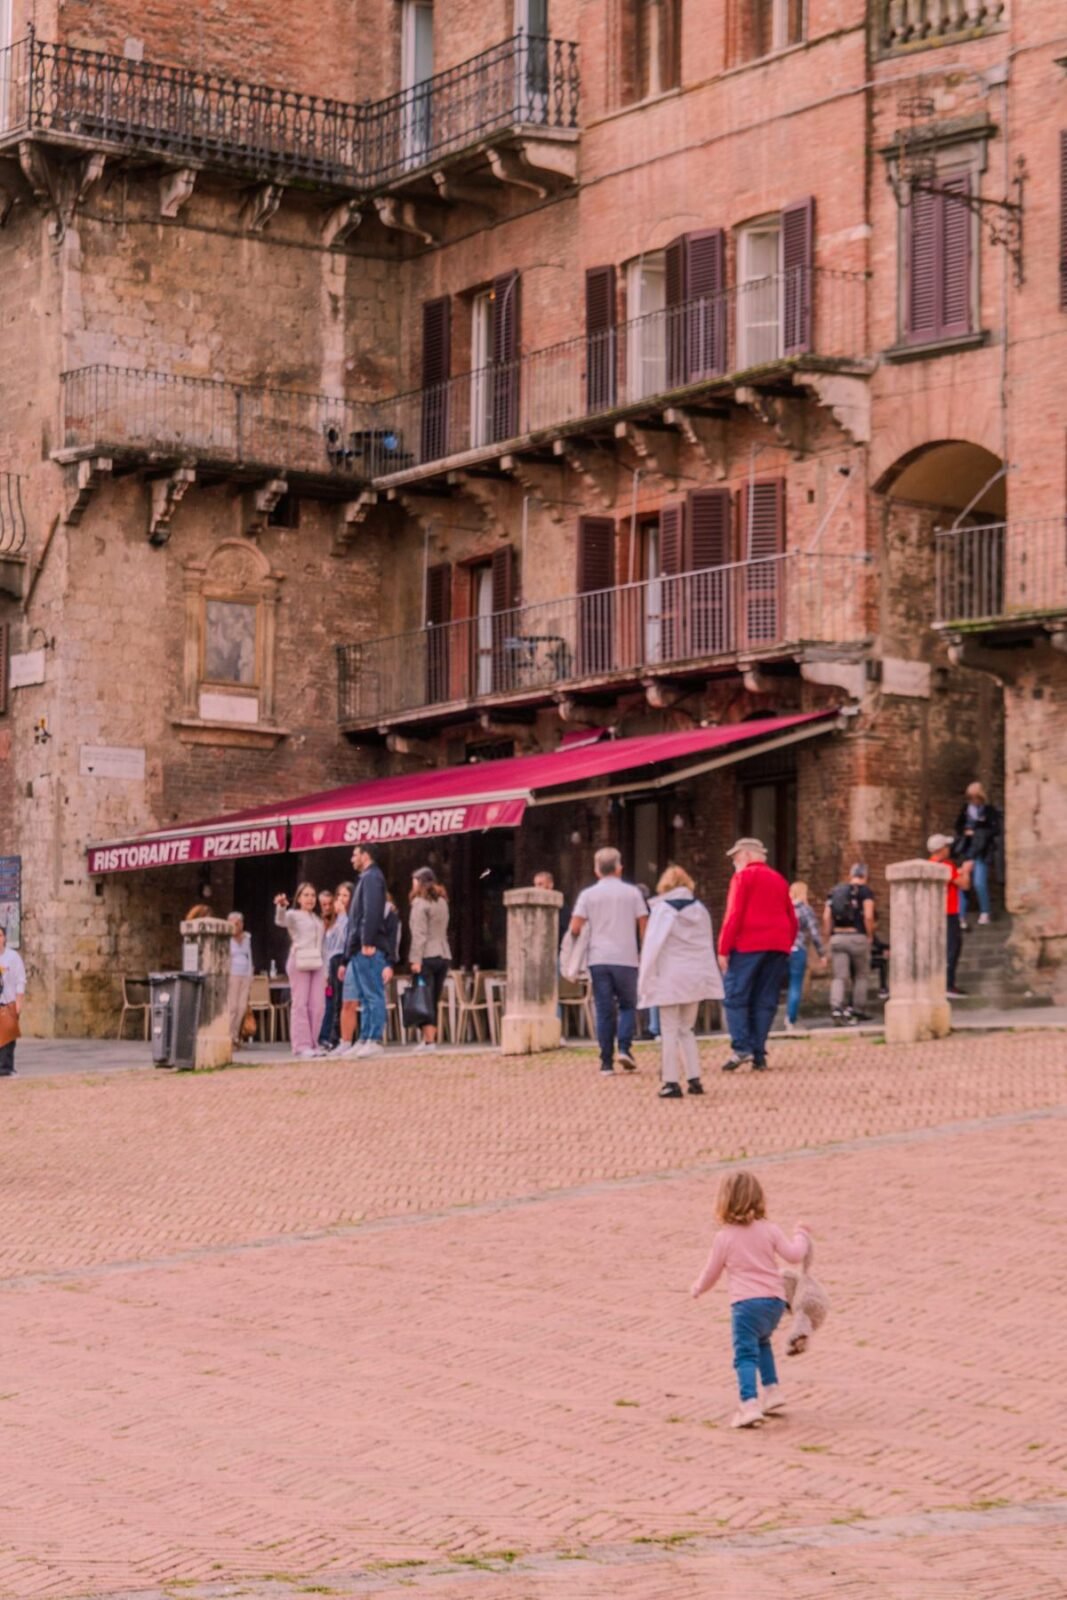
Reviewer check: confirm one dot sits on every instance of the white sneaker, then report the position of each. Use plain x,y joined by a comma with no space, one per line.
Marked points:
426,1048
984,920
371,1047
341,1048
748,1415
790,1027
353,1049
772,1400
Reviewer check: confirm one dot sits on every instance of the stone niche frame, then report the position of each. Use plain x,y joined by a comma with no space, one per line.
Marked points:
238,573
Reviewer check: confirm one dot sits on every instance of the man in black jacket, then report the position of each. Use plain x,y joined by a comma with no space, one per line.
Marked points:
368,959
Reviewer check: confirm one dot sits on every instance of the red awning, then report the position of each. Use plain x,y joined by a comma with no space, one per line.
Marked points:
448,800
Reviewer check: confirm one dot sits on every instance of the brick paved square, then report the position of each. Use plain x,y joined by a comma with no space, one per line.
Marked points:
425,1330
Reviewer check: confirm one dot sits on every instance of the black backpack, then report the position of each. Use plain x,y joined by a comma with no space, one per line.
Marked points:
843,904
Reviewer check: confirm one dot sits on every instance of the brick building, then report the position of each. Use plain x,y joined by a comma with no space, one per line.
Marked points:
391,387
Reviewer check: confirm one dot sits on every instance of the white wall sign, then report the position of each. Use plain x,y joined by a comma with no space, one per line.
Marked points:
216,707
26,669
111,761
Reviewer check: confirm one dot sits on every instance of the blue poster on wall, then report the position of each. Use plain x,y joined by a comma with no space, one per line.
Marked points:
11,898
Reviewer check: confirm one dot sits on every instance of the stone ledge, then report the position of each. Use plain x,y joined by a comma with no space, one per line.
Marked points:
938,347
250,736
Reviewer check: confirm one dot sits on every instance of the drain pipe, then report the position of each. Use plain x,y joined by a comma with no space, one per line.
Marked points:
635,480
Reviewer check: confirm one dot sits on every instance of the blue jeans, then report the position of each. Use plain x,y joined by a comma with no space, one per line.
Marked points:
798,966
368,971
754,1321
980,884
753,983
614,985
332,1015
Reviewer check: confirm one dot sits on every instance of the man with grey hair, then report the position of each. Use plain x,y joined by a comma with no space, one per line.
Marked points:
617,914
848,923
754,943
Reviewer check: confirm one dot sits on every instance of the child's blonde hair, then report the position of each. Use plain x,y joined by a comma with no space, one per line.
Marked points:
741,1199
674,877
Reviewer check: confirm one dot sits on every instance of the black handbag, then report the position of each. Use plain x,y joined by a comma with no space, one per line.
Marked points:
416,1005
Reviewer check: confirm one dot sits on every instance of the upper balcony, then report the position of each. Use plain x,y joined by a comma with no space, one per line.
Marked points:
679,627
485,112
919,24
128,419
798,330
1007,578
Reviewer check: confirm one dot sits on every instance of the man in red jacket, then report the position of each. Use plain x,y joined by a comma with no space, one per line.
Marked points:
754,944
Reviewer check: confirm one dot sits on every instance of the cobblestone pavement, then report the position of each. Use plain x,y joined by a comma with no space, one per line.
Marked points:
330,1329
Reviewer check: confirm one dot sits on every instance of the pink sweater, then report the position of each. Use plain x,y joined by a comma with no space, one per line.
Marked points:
747,1255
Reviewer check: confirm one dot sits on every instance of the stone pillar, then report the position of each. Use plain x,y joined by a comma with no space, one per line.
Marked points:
531,1018
206,949
917,1007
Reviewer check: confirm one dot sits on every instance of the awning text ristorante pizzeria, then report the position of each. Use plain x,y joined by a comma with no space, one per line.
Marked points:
174,852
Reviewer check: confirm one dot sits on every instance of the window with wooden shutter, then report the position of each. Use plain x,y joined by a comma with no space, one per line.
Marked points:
762,540
673,588
438,615
940,286
798,275
1063,221
596,597
696,302
504,615
600,363
436,371
709,533
5,653
504,399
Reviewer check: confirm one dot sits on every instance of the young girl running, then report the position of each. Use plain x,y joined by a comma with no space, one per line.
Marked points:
745,1247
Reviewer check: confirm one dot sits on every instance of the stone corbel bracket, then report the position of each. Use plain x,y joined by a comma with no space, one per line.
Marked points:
657,452
59,190
848,398
595,469
538,166
263,499
543,483
430,511
353,515
782,413
399,216
165,495
175,188
260,206
87,479
706,435
340,223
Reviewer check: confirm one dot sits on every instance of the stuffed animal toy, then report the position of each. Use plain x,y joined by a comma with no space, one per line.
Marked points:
807,1300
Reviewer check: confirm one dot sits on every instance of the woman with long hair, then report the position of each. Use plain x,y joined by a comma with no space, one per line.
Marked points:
333,949
306,967
978,831
431,954
807,935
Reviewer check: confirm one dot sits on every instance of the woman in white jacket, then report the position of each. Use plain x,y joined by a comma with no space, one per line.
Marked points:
678,970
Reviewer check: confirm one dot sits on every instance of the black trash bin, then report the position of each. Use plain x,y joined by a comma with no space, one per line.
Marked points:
175,1014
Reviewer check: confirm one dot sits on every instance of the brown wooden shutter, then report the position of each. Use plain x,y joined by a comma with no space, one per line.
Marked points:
923,266
955,310
504,416
596,597
798,272
673,589
762,548
438,634
705,293
1063,221
504,617
436,371
711,586
674,294
599,338
5,652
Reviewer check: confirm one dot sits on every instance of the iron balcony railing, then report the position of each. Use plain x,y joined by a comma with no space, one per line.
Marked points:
904,22
269,131
754,325
12,515
748,608
998,571
123,411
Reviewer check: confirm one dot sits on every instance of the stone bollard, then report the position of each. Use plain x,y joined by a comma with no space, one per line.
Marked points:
531,1017
206,950
917,1007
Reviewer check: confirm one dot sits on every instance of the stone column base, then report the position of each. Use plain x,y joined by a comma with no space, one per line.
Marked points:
911,1021
525,1036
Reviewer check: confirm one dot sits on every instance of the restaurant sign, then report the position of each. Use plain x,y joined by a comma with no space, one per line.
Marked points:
225,844
422,822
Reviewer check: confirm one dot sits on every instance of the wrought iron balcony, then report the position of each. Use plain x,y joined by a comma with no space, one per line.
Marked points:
87,97
751,609
12,515
917,22
1001,573
704,342
154,417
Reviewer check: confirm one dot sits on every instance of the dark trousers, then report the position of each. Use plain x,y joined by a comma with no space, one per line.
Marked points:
753,984
330,1031
614,987
7,1059
955,945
